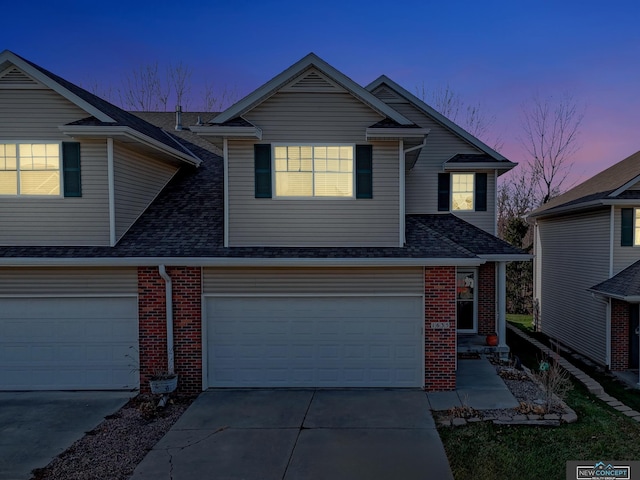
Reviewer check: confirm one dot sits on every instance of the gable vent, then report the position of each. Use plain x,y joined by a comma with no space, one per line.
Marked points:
387,95
313,82
15,78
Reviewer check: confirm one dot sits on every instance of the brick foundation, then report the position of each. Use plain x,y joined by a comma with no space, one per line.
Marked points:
619,335
487,299
440,344
187,330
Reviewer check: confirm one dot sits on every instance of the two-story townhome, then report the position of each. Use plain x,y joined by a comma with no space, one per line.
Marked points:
587,266
316,233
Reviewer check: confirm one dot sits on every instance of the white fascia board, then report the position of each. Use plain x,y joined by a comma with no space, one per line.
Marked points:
240,262
506,166
573,208
383,79
229,132
311,60
507,258
626,202
53,85
115,130
624,187
624,298
373,133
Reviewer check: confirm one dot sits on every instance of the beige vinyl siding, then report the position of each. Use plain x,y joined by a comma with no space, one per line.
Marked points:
314,281
422,181
622,256
138,180
576,257
313,118
68,281
34,115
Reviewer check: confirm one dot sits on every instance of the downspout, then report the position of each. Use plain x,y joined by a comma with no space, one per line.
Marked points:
111,187
225,180
403,199
169,306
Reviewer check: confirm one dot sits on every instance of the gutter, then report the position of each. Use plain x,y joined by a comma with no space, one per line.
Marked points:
169,307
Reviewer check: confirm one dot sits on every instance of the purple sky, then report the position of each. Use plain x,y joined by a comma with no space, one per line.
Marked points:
497,53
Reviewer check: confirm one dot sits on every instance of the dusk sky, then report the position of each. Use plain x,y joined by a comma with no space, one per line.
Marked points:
498,53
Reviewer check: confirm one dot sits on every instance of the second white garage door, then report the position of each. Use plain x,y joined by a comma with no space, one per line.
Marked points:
333,341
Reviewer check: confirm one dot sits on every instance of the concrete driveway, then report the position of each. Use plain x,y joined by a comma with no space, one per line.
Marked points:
301,434
36,427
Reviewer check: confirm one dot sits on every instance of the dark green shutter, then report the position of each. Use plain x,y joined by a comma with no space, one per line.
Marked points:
481,192
627,227
364,171
262,163
444,191
71,169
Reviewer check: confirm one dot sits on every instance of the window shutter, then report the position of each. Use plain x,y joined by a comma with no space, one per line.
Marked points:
262,163
364,171
71,169
481,192
444,191
627,227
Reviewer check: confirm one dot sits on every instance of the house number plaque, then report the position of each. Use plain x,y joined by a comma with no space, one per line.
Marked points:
440,325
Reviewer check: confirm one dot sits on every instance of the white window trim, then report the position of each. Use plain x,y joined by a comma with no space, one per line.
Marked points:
451,192
636,224
312,144
25,196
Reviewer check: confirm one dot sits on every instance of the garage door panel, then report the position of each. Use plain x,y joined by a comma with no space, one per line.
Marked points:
332,341
68,343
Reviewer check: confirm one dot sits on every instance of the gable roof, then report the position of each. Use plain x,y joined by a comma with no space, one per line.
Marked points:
297,69
105,118
605,188
444,121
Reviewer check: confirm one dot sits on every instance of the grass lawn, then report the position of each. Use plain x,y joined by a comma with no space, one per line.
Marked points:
486,451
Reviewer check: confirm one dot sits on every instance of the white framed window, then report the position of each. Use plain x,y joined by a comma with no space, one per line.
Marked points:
314,170
636,227
462,191
30,169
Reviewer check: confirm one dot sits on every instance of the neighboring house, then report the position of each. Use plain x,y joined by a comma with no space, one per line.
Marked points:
316,233
587,266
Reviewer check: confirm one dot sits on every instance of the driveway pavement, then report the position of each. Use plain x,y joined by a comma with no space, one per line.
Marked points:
35,427
301,434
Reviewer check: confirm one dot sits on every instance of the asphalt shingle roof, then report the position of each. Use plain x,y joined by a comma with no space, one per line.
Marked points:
471,158
597,187
624,284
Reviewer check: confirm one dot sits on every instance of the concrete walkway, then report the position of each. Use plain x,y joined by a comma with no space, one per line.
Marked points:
593,386
301,434
36,427
478,387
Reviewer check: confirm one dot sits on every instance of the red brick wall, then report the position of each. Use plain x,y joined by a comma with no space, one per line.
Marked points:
487,299
619,335
440,345
187,329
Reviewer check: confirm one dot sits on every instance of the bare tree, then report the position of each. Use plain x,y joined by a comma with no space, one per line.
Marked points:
95,87
144,90
551,130
215,101
470,116
179,77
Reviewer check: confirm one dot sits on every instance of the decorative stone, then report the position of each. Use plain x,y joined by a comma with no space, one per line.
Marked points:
570,417
520,418
474,420
444,422
533,416
631,413
552,416
623,408
458,422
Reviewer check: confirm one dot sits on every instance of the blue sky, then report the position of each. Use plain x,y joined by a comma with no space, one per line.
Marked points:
495,52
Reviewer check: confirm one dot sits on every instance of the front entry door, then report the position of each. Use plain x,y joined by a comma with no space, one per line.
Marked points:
634,338
466,295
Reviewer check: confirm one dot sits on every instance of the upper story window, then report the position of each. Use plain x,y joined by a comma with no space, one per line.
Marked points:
30,169
462,192
314,170
630,227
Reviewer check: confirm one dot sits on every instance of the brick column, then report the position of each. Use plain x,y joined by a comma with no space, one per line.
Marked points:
186,326
440,344
619,335
487,299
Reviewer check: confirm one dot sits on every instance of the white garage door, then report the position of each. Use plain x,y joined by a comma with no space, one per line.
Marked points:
319,342
68,343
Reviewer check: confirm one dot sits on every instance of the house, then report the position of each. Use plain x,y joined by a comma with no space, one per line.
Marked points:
587,261
316,233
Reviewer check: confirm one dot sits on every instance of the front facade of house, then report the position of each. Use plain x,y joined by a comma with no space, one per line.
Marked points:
317,233
586,265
